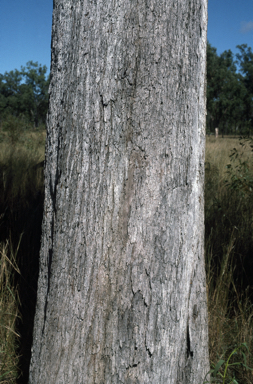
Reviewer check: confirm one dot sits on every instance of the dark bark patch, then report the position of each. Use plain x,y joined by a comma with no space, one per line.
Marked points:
188,348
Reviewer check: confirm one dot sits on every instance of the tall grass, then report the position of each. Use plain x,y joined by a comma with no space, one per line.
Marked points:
228,250
21,204
9,312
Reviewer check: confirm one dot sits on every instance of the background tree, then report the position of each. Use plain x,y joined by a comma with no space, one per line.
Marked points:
226,92
35,91
25,93
9,93
122,291
245,61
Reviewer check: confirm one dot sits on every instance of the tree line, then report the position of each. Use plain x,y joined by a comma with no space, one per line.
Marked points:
24,93
230,90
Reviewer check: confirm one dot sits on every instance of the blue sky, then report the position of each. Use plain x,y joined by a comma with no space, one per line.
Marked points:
25,29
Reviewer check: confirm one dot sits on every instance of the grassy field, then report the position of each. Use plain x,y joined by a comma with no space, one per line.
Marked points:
228,250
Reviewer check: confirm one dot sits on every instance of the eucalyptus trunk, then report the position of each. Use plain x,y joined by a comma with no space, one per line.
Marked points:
122,290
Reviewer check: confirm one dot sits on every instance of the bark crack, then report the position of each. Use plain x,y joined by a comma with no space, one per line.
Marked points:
133,365
53,187
188,348
189,352
149,352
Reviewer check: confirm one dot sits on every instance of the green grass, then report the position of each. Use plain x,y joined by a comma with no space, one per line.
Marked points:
228,250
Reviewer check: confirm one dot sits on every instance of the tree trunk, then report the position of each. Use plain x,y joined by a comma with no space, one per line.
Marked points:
122,291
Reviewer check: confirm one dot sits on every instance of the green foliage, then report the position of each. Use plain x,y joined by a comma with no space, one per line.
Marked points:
224,371
25,93
229,93
245,62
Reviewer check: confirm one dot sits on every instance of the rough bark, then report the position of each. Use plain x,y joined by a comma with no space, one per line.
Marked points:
121,291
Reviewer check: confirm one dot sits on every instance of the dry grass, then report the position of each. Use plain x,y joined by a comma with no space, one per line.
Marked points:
9,304
218,151
21,204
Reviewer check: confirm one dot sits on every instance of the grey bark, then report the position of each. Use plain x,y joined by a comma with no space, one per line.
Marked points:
122,291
